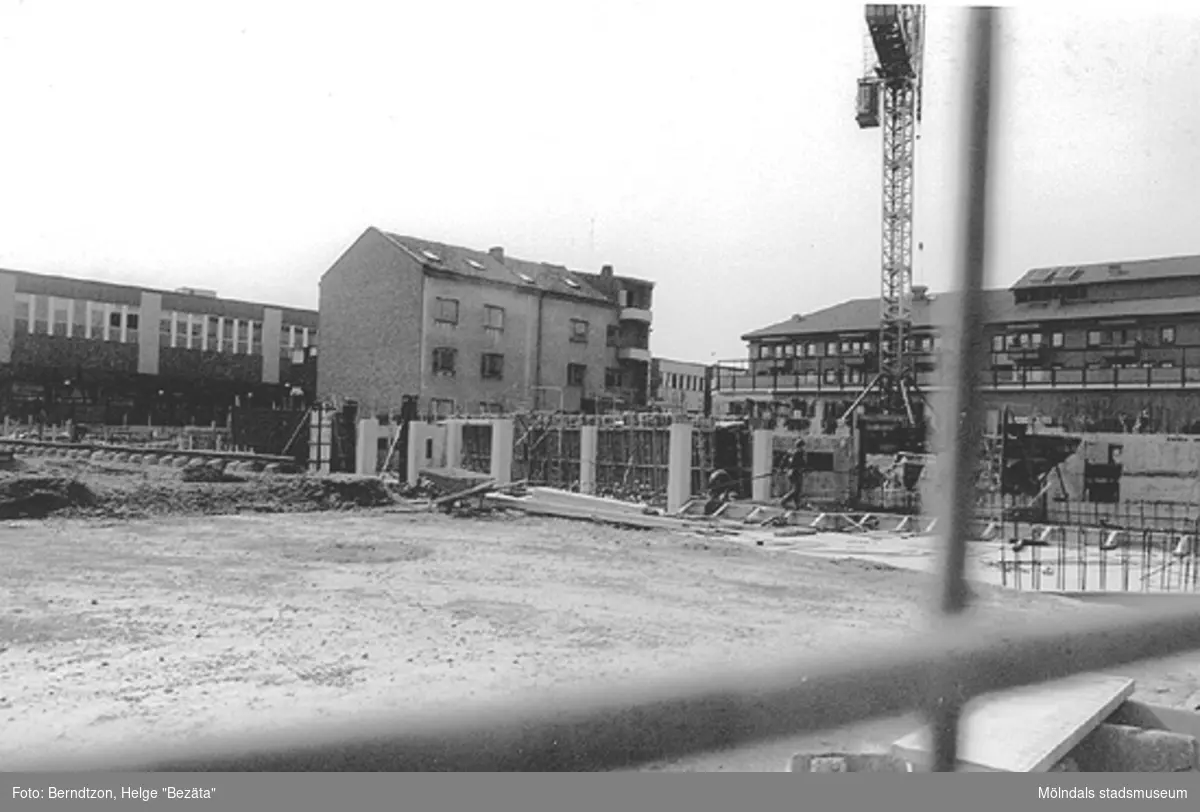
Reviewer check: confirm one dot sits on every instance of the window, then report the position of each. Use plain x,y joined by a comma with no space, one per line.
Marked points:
491,366
831,376
764,351
22,305
579,331
229,336
612,379
997,343
1166,335
493,318
845,348
810,350
1056,340
441,407
58,325
576,374
444,360
445,311
256,336
789,350
243,337
612,335
41,315
131,328
1094,338
831,348
196,332
164,330
491,407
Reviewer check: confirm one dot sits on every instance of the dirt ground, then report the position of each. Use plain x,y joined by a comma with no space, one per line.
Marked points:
122,631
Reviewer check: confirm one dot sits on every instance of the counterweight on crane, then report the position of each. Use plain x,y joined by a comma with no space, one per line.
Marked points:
889,97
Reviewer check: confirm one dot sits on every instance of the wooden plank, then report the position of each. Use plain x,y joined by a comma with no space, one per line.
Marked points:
1026,730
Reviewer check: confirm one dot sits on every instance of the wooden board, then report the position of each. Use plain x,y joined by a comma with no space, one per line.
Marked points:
1027,730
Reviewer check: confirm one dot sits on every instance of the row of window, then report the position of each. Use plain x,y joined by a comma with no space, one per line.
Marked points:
1164,336
447,312
831,349
684,381
199,331
104,321
72,318
491,368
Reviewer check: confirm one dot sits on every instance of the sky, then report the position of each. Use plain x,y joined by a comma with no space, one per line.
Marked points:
710,147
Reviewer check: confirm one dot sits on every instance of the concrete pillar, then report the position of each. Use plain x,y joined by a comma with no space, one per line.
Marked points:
366,447
8,313
454,433
502,451
272,330
589,443
149,315
679,471
762,459
417,435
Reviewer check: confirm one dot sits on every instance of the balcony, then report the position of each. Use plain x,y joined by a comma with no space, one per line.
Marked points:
639,354
1163,368
641,314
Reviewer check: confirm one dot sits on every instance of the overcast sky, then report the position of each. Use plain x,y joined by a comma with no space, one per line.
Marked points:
710,147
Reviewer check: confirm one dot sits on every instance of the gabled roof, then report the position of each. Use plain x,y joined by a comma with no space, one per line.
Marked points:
1131,271
517,273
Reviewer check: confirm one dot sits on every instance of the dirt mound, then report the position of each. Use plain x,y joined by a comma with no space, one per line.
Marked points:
205,473
32,496
265,495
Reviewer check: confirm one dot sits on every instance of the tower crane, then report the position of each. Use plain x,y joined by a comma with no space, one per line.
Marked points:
889,98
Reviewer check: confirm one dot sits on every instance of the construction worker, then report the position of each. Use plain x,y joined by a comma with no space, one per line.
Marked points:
796,465
720,486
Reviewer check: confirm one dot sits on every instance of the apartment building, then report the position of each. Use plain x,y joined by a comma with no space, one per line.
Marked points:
1109,346
467,331
98,352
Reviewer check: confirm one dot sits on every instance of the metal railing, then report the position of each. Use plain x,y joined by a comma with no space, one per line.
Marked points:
650,721
1176,367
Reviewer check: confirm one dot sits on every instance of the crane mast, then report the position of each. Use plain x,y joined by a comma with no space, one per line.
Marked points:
889,98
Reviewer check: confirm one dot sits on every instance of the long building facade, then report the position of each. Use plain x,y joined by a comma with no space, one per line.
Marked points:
464,331
1103,347
103,353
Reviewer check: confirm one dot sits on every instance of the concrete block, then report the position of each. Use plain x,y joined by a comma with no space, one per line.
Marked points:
1123,748
762,461
180,462
847,763
502,451
679,466
135,459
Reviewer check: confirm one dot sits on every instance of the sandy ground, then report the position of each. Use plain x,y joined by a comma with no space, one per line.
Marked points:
116,632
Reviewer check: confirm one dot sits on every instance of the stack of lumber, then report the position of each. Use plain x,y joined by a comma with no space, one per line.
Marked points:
567,505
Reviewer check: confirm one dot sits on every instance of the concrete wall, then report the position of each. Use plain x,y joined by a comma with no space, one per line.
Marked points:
1155,468
371,316
150,309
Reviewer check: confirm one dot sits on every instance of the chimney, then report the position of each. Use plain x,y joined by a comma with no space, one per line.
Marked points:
606,271
496,253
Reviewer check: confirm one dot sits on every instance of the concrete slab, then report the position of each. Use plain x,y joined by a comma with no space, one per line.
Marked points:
1026,730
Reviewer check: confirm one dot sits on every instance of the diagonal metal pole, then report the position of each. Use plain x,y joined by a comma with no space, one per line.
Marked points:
963,407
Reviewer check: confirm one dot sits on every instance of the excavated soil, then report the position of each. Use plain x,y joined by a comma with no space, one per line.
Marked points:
40,488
